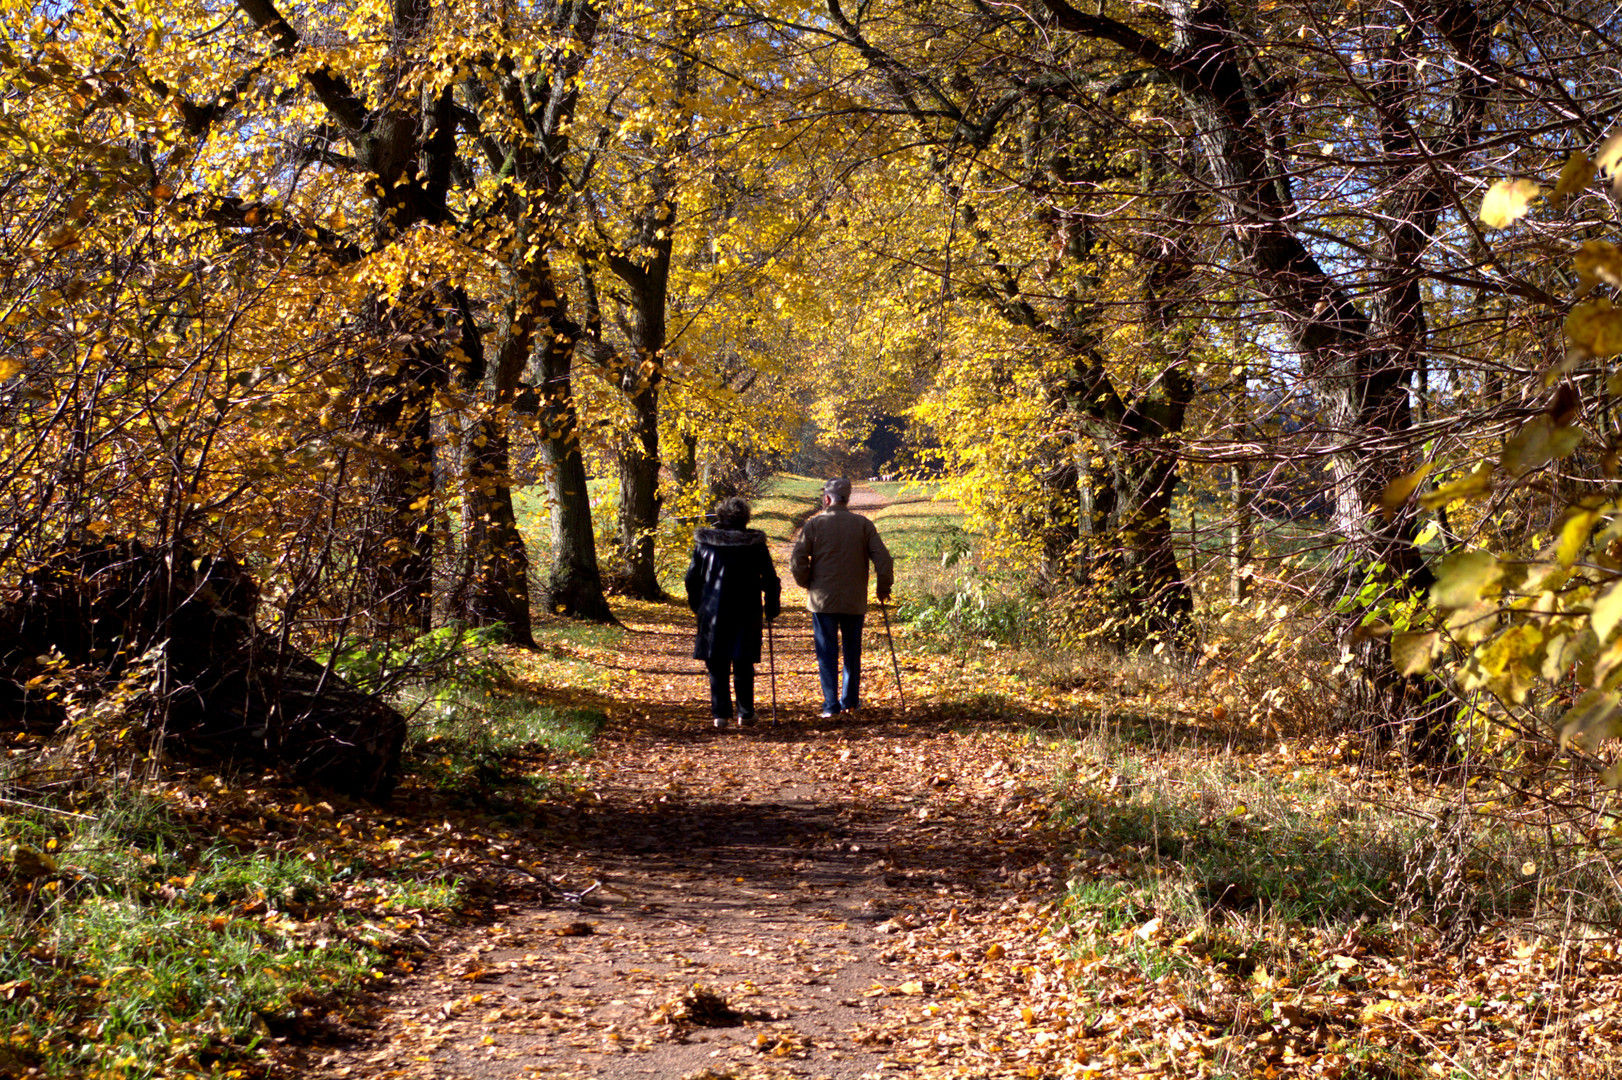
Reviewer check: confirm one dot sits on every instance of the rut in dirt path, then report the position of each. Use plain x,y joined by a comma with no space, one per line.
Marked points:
751,900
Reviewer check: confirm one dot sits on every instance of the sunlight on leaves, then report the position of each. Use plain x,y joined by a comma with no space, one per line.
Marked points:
1507,201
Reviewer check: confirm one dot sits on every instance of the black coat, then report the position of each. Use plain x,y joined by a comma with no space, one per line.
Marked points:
730,584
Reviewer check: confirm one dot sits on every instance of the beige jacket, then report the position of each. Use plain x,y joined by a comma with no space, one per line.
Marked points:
830,561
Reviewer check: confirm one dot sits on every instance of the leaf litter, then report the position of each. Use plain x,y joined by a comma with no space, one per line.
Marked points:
879,896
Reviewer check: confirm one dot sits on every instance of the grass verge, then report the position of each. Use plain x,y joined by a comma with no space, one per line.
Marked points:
182,924
1302,915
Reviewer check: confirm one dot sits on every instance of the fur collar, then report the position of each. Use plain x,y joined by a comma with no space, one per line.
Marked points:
730,537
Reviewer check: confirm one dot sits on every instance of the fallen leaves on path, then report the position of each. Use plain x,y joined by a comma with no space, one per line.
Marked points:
883,895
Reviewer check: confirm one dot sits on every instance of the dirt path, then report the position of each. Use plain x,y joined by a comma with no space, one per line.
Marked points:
837,899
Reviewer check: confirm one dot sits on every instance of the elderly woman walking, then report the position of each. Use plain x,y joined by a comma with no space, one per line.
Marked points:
730,585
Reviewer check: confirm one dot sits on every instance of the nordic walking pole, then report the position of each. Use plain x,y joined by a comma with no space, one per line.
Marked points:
771,653
893,661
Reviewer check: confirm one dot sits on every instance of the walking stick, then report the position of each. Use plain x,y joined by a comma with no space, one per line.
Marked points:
896,664
771,652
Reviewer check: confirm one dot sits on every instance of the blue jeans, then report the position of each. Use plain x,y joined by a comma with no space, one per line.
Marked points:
827,630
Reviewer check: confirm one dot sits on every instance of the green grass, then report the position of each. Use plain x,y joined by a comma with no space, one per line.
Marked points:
1209,839
585,635
535,517
785,501
142,955
170,931
478,745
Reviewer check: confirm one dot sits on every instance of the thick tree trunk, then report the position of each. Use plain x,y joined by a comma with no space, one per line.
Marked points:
1147,580
574,586
641,380
493,584
646,274
396,550
639,497
497,562
684,467
1134,559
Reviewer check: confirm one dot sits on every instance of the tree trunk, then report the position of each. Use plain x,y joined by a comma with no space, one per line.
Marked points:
404,155
493,588
684,469
644,266
639,497
574,586
1239,537
396,551
1362,376
640,380
1134,560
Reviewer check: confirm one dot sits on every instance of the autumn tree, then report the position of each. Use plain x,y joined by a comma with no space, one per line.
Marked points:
1020,191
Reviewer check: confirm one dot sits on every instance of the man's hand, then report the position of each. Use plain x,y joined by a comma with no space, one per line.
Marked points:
884,596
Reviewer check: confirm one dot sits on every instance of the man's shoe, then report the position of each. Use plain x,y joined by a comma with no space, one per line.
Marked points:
720,723
746,719
829,714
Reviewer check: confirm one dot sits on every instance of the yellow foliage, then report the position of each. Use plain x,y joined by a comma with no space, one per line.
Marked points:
1576,174
1596,325
1507,201
1597,262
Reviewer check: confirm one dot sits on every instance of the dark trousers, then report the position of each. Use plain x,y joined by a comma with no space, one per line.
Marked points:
828,632
742,674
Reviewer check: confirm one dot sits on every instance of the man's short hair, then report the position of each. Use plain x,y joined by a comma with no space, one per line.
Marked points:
837,489
732,513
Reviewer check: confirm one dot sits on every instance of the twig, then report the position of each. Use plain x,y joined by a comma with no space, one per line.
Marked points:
47,809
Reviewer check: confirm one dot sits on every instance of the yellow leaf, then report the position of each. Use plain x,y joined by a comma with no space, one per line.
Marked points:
1606,612
1574,532
1507,201
1505,664
1411,653
1462,577
1595,325
995,951
1474,484
1608,159
1530,448
1149,929
1598,262
1396,493
1576,174
912,987
9,366
1376,1009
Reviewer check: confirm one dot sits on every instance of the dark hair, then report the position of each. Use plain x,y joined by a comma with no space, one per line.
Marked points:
732,513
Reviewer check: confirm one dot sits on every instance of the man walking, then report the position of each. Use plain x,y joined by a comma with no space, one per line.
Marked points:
830,562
